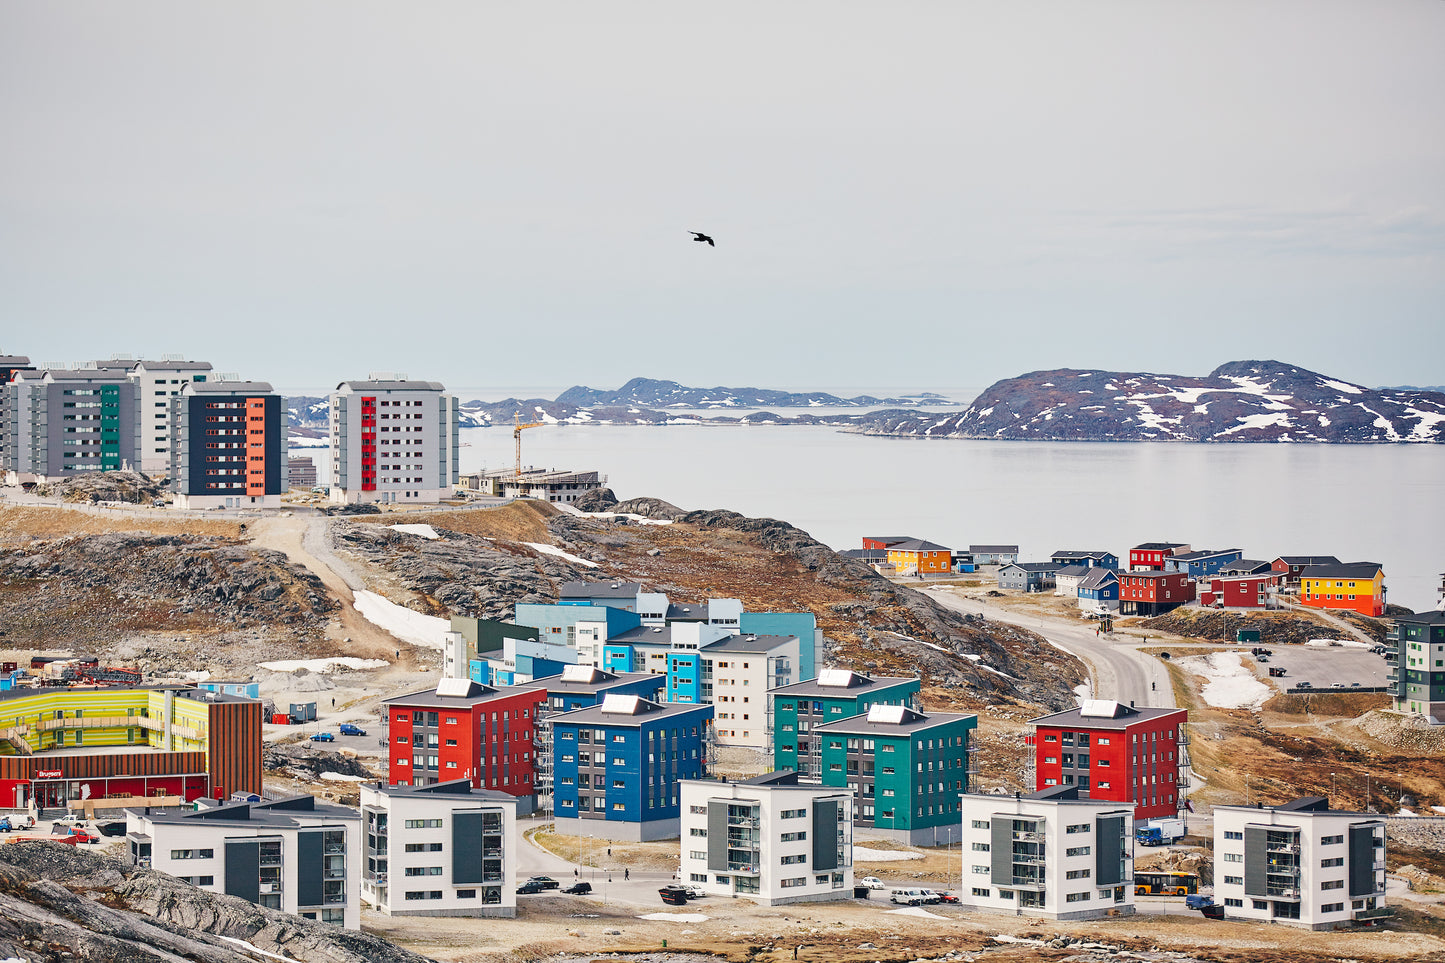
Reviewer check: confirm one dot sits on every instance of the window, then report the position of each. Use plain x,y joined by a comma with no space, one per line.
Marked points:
793,837
794,813
1234,902
1333,884
980,824
193,854
1331,840
1077,874
980,847
423,824
1079,828
1077,851
1077,898
980,870
793,860
1234,857
1327,863
1230,834
1234,880
979,892
1332,908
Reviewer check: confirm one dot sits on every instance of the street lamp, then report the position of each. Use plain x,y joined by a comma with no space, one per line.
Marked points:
1332,789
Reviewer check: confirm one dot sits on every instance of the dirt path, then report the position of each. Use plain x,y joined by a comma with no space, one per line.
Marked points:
1338,623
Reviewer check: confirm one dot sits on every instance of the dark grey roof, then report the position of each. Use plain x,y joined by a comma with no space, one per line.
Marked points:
1432,617
1054,793
1121,718
912,721
476,692
647,711
1355,570
228,388
174,365
1074,571
13,360
645,635
859,683
1033,566
917,545
1151,546
686,613
1203,554
1245,566
1308,560
994,549
85,374
889,539
279,813
1068,554
392,385
748,643
1305,804
452,787
1098,577
598,590
866,554
601,680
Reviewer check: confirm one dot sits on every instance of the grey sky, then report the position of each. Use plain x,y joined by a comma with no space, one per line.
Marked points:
935,193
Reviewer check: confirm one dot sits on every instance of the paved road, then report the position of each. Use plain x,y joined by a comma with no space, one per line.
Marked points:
1117,669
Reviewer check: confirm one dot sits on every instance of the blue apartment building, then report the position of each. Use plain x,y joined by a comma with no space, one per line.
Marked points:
1202,564
617,766
583,686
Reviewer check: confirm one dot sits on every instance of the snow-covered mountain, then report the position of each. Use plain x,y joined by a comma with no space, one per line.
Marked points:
1239,401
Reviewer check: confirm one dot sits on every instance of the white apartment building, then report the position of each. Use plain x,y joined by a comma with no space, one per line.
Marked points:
443,849
737,672
159,382
294,855
1300,863
393,441
1048,854
770,838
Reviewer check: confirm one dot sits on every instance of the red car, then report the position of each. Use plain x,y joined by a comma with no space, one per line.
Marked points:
944,897
76,836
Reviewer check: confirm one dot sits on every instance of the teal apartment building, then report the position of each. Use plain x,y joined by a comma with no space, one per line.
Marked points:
836,694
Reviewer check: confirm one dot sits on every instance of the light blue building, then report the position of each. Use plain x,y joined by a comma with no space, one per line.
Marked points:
247,690
617,766
558,623
801,625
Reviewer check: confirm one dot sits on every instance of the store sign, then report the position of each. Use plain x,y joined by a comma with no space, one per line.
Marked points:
49,774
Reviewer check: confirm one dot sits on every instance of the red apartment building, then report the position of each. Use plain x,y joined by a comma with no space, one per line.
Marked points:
1150,556
1289,567
1153,593
1240,591
466,730
1115,752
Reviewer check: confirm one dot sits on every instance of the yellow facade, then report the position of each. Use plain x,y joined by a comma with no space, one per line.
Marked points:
925,562
67,718
1355,594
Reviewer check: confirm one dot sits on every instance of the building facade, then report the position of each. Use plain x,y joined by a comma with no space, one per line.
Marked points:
836,694
1099,591
1051,854
1202,564
465,730
292,855
110,745
1290,567
919,557
1150,556
1116,753
1095,559
1241,591
1027,576
618,766
159,382
1144,592
228,446
1416,657
443,849
772,839
906,769
1300,863
1352,586
60,423
393,441
994,554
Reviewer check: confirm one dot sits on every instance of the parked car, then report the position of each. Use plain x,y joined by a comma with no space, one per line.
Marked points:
872,882
351,729
71,818
930,897
578,889
1303,685
112,827
322,737
1197,901
906,897
945,897
694,891
1354,685
673,895
1262,658
1337,685
529,887
546,882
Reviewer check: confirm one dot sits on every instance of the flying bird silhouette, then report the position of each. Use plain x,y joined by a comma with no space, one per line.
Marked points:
698,236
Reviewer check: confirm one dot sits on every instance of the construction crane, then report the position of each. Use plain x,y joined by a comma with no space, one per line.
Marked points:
517,430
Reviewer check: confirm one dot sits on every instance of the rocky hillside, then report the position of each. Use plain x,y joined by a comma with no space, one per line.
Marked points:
63,903
1237,402
651,393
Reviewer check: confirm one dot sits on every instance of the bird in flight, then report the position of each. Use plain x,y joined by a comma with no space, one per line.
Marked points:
698,236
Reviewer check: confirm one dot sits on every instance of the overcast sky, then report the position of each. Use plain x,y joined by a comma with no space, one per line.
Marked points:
902,193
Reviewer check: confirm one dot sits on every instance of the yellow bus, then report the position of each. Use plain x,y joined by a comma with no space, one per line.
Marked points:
1166,884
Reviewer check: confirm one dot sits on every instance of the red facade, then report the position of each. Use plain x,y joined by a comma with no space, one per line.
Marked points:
487,739
1149,593
368,443
1241,591
1137,764
1150,556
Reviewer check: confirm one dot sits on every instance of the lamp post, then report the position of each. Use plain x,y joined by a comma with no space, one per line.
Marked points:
1332,789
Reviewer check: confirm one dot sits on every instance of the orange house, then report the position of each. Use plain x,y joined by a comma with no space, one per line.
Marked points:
1356,586
917,557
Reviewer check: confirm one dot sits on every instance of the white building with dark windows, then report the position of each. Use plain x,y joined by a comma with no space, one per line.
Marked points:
159,382
1301,863
771,838
295,854
444,849
1047,854
393,441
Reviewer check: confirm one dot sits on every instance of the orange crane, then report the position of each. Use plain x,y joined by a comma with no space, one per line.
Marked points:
517,434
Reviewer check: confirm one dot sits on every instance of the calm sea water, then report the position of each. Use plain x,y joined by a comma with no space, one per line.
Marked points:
1383,503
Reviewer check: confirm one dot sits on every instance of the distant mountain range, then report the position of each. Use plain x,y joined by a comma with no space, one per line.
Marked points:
1238,401
1242,401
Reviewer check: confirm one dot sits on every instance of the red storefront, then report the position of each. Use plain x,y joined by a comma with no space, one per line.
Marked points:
1153,593
1116,752
1150,556
1240,591
466,730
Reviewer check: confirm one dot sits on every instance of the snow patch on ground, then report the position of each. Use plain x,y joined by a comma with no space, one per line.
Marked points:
323,665
1342,643
1348,389
677,917
424,630
339,777
425,531
1083,691
862,855
1248,422
554,550
1230,685
916,911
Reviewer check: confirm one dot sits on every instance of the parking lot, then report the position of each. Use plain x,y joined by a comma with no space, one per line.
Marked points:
1323,666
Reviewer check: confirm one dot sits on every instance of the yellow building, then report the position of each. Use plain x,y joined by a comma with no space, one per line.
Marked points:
918,557
1356,586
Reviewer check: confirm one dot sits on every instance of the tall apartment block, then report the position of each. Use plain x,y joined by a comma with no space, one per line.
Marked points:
159,382
1301,863
1415,655
58,423
393,441
228,445
10,365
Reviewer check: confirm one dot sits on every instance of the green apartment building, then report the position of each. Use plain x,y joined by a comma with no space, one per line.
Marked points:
835,695
1416,655
906,769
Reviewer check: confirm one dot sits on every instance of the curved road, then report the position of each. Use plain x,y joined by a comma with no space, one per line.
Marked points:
1117,669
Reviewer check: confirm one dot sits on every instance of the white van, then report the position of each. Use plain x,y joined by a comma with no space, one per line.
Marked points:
907,897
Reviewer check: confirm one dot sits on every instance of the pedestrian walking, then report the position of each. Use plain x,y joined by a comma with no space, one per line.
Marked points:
574,872
626,874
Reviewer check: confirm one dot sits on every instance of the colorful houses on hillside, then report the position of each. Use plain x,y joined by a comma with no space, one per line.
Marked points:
1353,586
